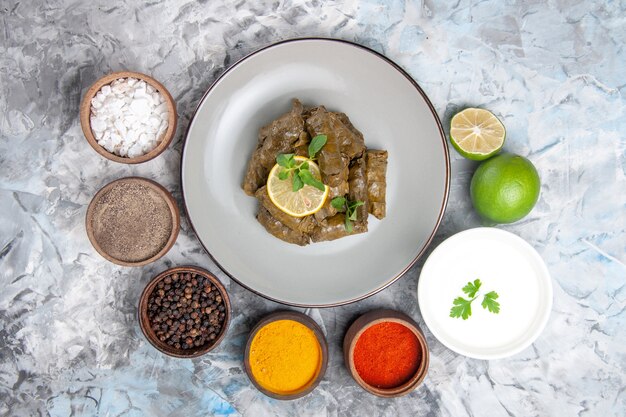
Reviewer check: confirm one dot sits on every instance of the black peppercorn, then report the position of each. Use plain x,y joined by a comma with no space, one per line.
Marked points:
186,311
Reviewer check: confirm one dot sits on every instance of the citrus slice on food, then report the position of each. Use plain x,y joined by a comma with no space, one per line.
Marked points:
307,200
476,133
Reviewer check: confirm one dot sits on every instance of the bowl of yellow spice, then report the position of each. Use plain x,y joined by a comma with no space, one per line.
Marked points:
286,355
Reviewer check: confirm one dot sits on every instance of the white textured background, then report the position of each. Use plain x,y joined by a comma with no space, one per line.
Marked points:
554,72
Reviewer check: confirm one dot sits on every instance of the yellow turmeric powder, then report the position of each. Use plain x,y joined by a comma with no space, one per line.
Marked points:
285,357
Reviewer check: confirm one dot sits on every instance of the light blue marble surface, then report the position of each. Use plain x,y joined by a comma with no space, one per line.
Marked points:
554,72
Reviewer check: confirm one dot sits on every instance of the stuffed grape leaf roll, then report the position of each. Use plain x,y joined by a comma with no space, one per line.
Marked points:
277,137
376,181
334,228
299,224
343,144
276,228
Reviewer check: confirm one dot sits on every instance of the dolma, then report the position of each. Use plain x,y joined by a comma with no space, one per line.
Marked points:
360,140
376,166
277,137
334,228
276,228
333,163
301,147
357,180
347,168
350,139
299,224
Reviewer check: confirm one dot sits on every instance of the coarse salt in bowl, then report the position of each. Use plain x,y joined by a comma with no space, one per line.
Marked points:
128,117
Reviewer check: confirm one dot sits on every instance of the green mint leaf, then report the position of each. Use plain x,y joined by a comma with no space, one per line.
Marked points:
318,184
304,165
305,174
338,203
285,160
309,179
472,288
352,206
352,213
490,303
461,308
317,143
283,175
348,224
297,183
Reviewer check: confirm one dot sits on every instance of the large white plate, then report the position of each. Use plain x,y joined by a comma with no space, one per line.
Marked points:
383,102
504,263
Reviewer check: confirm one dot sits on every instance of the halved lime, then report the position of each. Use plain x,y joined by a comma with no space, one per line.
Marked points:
476,133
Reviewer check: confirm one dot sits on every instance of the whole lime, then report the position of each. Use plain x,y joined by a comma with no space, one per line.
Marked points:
505,188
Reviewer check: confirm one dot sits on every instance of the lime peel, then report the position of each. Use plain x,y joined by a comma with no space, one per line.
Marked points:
505,188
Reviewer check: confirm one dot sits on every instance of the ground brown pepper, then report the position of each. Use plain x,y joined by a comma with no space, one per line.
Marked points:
131,222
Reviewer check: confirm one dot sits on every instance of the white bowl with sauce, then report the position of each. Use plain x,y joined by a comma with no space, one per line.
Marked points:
504,263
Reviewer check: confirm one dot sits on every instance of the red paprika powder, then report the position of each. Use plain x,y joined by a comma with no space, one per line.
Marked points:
387,355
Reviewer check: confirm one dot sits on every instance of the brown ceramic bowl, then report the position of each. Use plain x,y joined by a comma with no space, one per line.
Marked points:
306,321
85,113
363,323
161,191
144,321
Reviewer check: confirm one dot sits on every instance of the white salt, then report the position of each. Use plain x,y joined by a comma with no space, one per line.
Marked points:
129,117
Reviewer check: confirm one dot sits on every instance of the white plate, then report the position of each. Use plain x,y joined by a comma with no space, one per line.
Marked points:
383,102
504,263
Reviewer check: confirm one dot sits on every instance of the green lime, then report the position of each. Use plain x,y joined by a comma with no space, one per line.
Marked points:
505,188
476,134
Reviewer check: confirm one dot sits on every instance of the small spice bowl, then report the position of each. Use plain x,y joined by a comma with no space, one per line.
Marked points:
299,366
132,221
402,326
203,309
85,117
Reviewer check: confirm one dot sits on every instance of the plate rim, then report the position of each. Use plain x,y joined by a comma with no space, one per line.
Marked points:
521,346
441,134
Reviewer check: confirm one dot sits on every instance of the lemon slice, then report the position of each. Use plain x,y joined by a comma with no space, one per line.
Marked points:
305,201
476,133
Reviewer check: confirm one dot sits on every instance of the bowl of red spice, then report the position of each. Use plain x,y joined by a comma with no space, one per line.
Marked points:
386,353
